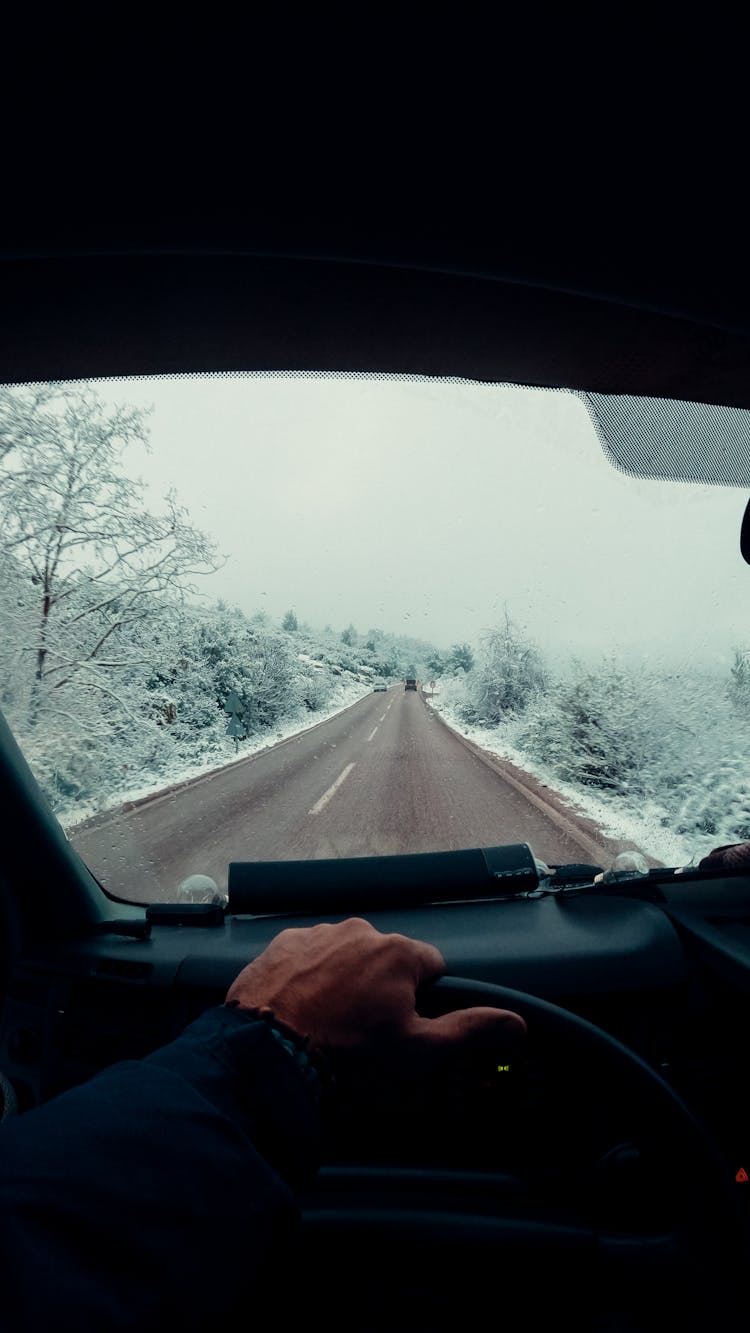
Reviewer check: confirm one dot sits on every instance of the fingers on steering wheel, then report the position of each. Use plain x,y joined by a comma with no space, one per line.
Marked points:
473,1027
430,963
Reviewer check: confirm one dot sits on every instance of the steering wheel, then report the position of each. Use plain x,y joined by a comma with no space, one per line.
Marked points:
465,1239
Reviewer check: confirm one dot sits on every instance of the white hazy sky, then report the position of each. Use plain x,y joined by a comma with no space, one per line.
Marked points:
425,507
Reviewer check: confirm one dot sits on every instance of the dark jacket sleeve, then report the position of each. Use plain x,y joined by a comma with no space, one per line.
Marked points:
154,1195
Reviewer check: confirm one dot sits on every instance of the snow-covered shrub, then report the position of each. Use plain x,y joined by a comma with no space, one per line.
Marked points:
601,728
509,673
315,688
717,802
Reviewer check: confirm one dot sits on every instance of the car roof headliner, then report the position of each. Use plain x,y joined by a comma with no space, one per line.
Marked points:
407,290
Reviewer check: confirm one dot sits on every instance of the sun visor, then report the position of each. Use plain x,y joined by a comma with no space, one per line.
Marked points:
671,440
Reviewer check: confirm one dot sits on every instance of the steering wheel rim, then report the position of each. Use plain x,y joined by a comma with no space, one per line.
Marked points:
371,1212
464,993
726,1234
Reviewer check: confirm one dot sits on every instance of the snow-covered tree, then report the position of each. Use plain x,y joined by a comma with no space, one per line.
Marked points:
458,659
290,623
509,673
93,557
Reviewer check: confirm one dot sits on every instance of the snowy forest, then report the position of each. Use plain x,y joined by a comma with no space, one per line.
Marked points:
117,668
656,755
120,673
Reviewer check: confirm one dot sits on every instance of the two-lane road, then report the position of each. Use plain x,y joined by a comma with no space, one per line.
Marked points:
382,777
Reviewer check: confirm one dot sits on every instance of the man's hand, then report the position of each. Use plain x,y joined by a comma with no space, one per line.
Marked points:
352,990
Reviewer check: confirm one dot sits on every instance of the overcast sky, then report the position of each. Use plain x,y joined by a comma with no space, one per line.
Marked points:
424,507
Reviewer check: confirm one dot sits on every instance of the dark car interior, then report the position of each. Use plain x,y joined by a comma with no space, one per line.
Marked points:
600,1173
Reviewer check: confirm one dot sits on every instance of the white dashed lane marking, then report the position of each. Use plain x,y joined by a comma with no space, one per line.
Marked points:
372,733
325,798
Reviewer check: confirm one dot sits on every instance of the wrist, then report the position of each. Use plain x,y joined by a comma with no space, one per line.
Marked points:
308,1058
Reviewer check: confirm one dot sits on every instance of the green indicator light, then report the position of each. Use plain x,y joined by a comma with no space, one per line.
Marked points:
503,1069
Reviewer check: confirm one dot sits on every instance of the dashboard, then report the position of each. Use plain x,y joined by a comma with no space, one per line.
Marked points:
73,1008
669,980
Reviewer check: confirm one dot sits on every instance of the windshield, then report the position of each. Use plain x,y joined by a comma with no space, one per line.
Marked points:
283,618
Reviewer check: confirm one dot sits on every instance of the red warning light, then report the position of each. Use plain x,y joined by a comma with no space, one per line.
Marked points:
741,1176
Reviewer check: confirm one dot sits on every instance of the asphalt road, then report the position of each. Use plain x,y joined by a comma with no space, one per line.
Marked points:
383,777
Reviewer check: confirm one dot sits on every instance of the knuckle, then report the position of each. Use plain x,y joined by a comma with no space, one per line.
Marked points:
287,935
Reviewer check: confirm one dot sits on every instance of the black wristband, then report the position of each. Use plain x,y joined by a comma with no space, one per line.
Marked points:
309,1060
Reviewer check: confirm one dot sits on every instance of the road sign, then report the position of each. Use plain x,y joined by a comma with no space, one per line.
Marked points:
235,725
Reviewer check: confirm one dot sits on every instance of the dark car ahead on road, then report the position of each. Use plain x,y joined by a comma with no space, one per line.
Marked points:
410,683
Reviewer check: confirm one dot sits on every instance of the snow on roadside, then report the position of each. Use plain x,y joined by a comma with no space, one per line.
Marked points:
345,695
643,826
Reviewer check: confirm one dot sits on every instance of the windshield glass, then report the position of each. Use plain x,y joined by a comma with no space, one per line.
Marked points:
279,618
